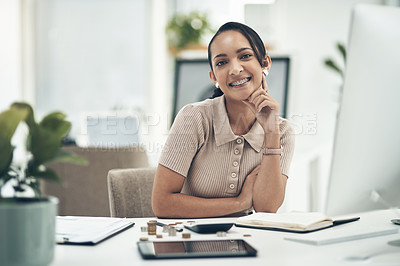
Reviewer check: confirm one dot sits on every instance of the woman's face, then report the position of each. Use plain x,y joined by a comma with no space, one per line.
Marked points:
235,65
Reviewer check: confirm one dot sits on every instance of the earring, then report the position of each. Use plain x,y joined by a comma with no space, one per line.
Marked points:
217,85
265,71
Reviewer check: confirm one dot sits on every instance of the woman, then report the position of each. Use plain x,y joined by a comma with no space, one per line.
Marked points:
227,155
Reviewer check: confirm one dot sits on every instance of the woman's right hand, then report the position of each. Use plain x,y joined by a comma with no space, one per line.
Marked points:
246,195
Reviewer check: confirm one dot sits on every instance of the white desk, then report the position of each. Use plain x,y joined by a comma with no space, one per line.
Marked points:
272,248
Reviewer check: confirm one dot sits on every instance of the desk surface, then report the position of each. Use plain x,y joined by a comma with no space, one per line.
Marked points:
272,248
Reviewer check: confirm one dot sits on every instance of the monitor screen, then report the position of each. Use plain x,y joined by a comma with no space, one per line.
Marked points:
365,170
193,84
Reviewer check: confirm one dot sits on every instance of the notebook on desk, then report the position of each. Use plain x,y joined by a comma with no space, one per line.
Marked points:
79,230
295,222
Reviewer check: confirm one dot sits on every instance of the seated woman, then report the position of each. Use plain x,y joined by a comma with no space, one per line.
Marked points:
229,154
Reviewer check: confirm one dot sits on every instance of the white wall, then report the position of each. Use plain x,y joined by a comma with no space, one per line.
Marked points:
10,52
160,69
309,30
90,56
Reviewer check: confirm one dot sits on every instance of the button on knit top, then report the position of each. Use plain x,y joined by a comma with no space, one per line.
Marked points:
202,147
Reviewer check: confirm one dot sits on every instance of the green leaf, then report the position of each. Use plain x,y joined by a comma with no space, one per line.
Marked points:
44,145
342,50
48,175
9,121
55,122
330,63
69,157
45,139
30,118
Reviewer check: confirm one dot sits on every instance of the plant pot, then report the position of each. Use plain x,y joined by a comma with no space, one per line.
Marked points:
27,231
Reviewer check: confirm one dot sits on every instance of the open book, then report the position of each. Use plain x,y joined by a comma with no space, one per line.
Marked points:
300,222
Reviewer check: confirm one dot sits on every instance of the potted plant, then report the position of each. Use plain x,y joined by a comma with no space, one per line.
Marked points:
334,66
27,219
186,31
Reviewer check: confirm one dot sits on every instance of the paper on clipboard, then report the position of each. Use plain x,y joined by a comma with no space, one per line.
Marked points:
88,230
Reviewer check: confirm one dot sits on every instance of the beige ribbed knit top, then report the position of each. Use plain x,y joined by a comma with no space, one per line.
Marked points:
202,147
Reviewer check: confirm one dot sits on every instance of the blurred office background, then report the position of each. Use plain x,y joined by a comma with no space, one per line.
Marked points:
104,58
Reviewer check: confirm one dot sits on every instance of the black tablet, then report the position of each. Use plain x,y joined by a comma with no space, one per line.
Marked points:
196,249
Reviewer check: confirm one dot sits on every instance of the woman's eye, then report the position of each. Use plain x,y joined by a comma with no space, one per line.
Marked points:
220,63
245,56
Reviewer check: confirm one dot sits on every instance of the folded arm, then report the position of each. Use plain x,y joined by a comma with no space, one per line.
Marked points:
168,202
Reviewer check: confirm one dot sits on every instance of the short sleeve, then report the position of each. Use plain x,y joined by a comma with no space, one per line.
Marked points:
185,138
287,143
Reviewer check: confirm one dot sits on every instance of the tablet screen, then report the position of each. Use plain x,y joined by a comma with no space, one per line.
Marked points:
199,248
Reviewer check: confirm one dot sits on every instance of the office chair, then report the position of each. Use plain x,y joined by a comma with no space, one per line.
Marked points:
85,191
129,192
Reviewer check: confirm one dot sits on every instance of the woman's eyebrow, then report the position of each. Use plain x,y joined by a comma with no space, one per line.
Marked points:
242,49
237,51
219,55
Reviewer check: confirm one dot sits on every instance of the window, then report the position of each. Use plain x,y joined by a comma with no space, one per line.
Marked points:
90,56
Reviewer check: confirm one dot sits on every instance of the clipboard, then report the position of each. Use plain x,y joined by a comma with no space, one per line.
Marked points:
80,230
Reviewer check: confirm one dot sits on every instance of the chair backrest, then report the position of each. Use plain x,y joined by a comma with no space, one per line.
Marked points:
85,191
129,192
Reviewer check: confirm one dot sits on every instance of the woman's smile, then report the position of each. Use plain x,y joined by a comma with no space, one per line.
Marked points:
240,83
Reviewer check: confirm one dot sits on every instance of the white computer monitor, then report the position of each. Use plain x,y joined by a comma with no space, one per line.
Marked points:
366,154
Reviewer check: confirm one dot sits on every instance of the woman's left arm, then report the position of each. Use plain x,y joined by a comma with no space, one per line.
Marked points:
269,187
